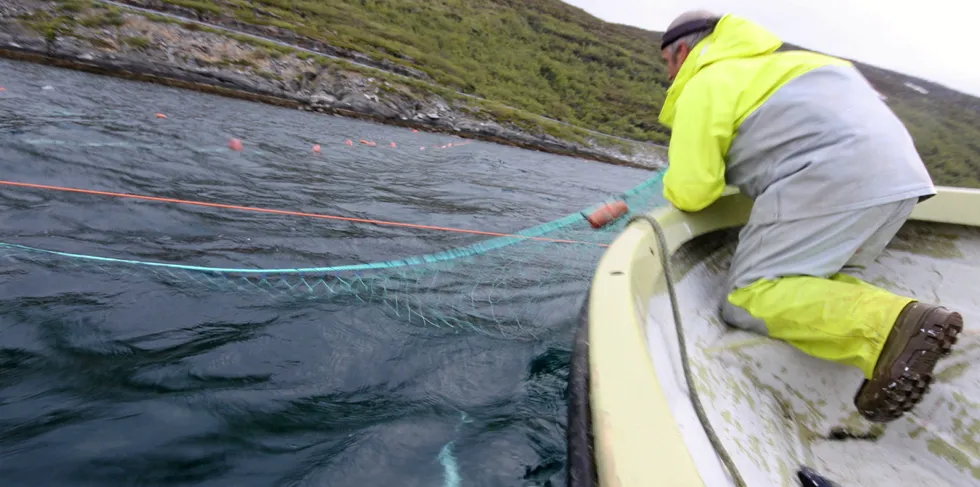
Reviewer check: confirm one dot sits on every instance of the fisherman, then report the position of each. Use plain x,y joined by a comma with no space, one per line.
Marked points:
833,174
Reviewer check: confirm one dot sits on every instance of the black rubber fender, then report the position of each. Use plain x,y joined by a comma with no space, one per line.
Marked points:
581,471
810,478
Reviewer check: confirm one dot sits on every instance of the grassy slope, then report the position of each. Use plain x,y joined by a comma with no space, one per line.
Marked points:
552,59
545,57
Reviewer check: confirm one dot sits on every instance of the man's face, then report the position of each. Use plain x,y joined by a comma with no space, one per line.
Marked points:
674,62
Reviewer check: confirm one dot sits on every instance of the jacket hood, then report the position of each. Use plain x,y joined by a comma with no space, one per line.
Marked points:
733,37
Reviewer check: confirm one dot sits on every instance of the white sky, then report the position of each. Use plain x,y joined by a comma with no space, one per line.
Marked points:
923,38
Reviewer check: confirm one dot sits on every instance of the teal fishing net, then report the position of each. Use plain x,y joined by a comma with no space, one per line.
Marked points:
493,286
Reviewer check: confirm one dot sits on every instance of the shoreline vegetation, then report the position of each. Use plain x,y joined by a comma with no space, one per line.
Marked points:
537,74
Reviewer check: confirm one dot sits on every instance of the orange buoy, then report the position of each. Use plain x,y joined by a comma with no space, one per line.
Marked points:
394,144
607,214
235,145
316,148
160,115
415,131
349,142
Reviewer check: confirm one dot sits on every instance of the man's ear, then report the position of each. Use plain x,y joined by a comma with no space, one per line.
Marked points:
683,50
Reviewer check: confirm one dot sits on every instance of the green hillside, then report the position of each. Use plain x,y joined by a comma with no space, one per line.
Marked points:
542,56
552,59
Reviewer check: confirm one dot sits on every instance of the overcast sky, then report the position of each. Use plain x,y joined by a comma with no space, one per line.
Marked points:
923,38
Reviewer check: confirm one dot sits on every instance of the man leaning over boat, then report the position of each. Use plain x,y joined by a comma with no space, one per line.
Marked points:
833,174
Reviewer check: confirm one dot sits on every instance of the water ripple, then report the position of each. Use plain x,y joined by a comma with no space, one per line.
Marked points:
116,379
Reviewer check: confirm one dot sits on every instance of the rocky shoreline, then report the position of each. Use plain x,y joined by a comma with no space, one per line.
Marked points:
117,42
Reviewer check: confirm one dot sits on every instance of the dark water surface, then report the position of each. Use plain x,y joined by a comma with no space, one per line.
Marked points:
108,380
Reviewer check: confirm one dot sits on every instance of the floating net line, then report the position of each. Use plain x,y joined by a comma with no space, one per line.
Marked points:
498,285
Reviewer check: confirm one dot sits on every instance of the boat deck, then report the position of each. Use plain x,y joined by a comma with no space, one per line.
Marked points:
776,408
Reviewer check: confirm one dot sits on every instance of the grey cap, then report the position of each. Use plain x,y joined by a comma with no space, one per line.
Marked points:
688,23
690,15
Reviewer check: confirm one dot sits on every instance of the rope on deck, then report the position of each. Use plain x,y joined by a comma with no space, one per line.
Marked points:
688,376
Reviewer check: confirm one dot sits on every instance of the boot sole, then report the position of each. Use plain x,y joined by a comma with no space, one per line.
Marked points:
906,391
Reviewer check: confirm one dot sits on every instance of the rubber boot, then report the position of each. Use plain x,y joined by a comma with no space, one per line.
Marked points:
921,335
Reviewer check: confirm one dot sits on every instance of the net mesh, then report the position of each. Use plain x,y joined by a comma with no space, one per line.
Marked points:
495,286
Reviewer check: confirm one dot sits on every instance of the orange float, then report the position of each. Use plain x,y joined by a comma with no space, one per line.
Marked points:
607,214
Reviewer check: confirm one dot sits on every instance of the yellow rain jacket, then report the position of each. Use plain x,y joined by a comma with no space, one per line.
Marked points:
803,134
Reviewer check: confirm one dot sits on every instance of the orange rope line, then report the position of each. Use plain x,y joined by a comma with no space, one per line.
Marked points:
284,212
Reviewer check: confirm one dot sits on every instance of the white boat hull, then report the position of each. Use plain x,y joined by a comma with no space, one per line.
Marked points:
773,407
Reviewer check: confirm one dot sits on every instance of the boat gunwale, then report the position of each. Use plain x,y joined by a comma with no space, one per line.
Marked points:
634,431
